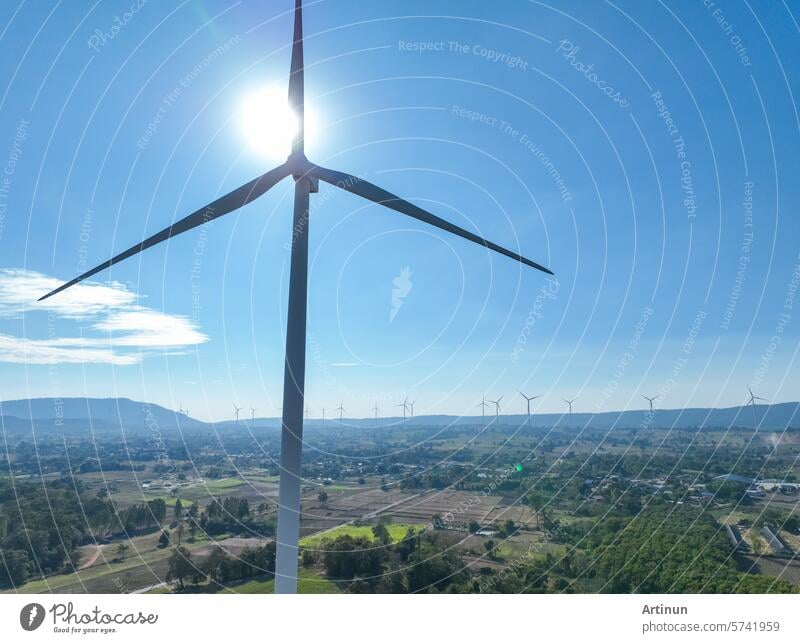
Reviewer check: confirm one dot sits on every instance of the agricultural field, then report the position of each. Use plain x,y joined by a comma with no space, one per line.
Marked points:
539,501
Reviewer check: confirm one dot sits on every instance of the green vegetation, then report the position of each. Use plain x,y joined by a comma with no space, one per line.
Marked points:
396,532
417,562
309,582
43,525
621,511
681,551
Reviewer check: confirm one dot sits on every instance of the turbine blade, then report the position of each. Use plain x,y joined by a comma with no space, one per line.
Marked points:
296,78
378,195
224,205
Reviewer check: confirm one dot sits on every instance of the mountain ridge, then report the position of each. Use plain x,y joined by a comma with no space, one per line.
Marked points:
125,412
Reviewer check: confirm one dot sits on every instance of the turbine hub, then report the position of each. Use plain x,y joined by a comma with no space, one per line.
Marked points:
299,165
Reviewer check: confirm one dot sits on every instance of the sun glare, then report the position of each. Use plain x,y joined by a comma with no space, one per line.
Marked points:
269,124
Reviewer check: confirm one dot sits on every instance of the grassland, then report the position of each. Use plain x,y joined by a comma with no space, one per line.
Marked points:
396,530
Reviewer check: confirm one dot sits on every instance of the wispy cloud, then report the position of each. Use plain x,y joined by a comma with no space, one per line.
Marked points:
19,290
115,328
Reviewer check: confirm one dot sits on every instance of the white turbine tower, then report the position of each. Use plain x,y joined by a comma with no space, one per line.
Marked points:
375,408
404,404
411,406
252,416
306,176
497,409
570,402
752,403
529,400
341,410
483,406
236,410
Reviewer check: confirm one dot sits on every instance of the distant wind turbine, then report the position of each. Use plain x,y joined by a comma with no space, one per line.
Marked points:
376,413
341,410
570,402
404,404
306,176
529,400
483,406
752,403
252,415
651,400
236,410
411,406
497,408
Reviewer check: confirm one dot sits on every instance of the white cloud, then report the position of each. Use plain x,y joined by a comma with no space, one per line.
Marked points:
115,328
29,351
144,327
19,290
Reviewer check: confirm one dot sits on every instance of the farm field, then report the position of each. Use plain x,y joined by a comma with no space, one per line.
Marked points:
397,531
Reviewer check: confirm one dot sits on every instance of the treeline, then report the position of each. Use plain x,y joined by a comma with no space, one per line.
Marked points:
419,562
233,515
219,567
143,516
41,526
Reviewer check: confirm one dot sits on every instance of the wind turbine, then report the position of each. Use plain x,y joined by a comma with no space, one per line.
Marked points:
405,408
252,415
570,402
651,400
341,410
306,176
483,406
323,417
497,408
529,400
376,413
752,403
236,410
411,406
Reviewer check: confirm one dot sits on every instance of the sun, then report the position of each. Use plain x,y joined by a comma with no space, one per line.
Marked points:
268,124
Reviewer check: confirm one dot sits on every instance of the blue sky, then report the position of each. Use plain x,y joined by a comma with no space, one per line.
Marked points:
646,152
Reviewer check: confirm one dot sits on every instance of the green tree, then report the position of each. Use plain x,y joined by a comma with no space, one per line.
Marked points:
346,557
178,510
382,534
180,566
16,569
122,549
